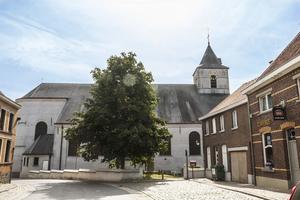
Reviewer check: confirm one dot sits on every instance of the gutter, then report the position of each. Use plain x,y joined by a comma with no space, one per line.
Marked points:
251,139
11,102
61,140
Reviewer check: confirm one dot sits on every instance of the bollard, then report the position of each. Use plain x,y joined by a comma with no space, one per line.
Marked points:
162,174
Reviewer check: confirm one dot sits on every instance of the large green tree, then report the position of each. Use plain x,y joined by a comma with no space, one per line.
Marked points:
120,120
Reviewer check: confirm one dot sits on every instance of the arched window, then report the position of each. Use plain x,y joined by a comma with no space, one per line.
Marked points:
40,129
213,81
194,140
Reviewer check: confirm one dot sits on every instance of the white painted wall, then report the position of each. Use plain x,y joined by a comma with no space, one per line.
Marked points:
32,112
70,162
179,143
26,169
48,110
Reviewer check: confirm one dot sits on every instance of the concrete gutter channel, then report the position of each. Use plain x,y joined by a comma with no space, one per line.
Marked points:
235,188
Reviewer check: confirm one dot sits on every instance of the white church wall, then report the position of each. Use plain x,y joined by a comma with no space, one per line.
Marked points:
203,80
179,143
32,112
70,162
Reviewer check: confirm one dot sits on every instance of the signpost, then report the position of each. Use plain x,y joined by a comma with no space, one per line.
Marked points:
187,166
193,164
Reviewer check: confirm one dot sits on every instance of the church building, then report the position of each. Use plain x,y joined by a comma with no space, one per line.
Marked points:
45,109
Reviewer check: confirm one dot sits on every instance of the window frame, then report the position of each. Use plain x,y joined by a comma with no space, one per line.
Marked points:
213,81
214,126
11,122
41,128
208,154
297,77
225,157
207,127
169,151
36,161
2,119
222,123
266,146
298,85
71,151
1,144
265,95
195,149
265,103
7,154
234,119
216,152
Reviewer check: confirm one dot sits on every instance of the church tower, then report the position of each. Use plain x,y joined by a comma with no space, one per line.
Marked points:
211,76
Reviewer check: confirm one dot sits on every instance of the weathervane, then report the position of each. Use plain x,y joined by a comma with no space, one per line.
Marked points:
208,35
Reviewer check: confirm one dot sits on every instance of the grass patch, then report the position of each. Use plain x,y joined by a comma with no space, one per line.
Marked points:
157,176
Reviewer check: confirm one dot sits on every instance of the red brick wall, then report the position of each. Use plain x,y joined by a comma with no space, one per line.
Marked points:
289,93
239,137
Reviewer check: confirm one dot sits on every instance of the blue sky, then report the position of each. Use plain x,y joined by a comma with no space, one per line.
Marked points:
62,41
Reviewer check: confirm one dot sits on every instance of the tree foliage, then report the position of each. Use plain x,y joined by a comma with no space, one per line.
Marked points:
119,121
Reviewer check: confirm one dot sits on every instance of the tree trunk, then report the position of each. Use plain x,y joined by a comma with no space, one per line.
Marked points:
122,163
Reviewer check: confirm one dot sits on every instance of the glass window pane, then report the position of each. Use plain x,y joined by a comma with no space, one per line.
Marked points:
291,134
264,103
270,105
194,143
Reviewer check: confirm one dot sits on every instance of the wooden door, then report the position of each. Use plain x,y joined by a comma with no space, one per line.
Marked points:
239,167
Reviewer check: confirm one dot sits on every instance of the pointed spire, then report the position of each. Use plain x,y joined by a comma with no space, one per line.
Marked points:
210,60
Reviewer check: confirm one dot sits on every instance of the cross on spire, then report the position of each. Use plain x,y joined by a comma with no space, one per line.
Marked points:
208,35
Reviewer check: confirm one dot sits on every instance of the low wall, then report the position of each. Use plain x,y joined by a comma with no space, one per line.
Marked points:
89,174
273,183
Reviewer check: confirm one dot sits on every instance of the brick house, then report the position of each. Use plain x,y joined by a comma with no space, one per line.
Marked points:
276,143
8,119
227,137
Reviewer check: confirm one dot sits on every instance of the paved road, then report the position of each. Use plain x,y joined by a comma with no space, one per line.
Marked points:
171,189
71,189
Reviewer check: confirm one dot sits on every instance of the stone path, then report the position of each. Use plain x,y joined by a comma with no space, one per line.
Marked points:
204,189
173,189
15,191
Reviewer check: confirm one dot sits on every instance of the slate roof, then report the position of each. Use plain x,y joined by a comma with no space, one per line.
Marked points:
43,145
235,97
180,103
291,51
210,60
74,93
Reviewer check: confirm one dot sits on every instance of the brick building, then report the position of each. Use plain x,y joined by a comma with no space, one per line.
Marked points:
8,118
227,137
276,143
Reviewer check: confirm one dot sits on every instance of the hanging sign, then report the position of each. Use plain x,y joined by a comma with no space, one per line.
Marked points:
279,113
